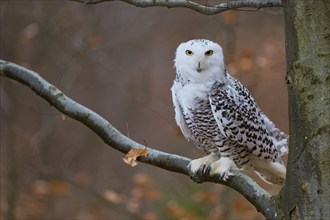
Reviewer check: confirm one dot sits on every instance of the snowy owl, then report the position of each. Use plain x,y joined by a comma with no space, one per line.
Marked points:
219,115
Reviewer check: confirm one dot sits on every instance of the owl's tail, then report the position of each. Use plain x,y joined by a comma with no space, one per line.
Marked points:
269,171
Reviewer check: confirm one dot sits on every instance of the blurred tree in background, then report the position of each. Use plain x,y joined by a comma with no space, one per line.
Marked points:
117,60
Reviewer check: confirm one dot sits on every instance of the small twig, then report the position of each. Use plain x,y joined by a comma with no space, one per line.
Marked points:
127,131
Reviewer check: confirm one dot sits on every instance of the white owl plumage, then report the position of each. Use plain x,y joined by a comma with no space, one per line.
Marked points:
219,115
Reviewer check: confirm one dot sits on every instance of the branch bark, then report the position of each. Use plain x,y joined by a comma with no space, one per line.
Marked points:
203,9
240,182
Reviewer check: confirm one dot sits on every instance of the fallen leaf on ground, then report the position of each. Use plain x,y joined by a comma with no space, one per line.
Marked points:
112,196
133,154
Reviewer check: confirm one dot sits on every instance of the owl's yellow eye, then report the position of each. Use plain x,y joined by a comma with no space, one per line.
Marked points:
209,52
189,52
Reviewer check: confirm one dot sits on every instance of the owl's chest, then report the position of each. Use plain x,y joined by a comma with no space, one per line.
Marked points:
193,97
197,113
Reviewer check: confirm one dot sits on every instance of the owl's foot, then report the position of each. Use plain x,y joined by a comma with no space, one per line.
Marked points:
212,165
222,168
202,163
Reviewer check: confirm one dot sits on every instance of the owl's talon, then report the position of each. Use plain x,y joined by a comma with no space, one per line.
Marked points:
207,170
222,176
194,177
225,175
203,168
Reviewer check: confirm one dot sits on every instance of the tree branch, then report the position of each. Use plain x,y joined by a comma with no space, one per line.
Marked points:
260,198
204,9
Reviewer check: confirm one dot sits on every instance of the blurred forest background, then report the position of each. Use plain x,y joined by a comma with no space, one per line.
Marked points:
117,60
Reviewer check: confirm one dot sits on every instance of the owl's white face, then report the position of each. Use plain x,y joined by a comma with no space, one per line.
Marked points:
200,60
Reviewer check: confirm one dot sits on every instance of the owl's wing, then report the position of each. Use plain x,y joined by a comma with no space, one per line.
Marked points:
240,119
281,138
179,118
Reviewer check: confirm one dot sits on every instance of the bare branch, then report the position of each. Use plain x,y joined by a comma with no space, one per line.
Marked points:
260,198
204,9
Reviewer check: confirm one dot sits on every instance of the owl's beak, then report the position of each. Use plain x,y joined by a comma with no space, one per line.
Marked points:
199,69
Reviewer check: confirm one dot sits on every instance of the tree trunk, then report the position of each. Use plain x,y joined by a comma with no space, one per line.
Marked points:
306,193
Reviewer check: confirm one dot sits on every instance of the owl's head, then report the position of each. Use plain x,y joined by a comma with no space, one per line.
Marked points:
200,61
